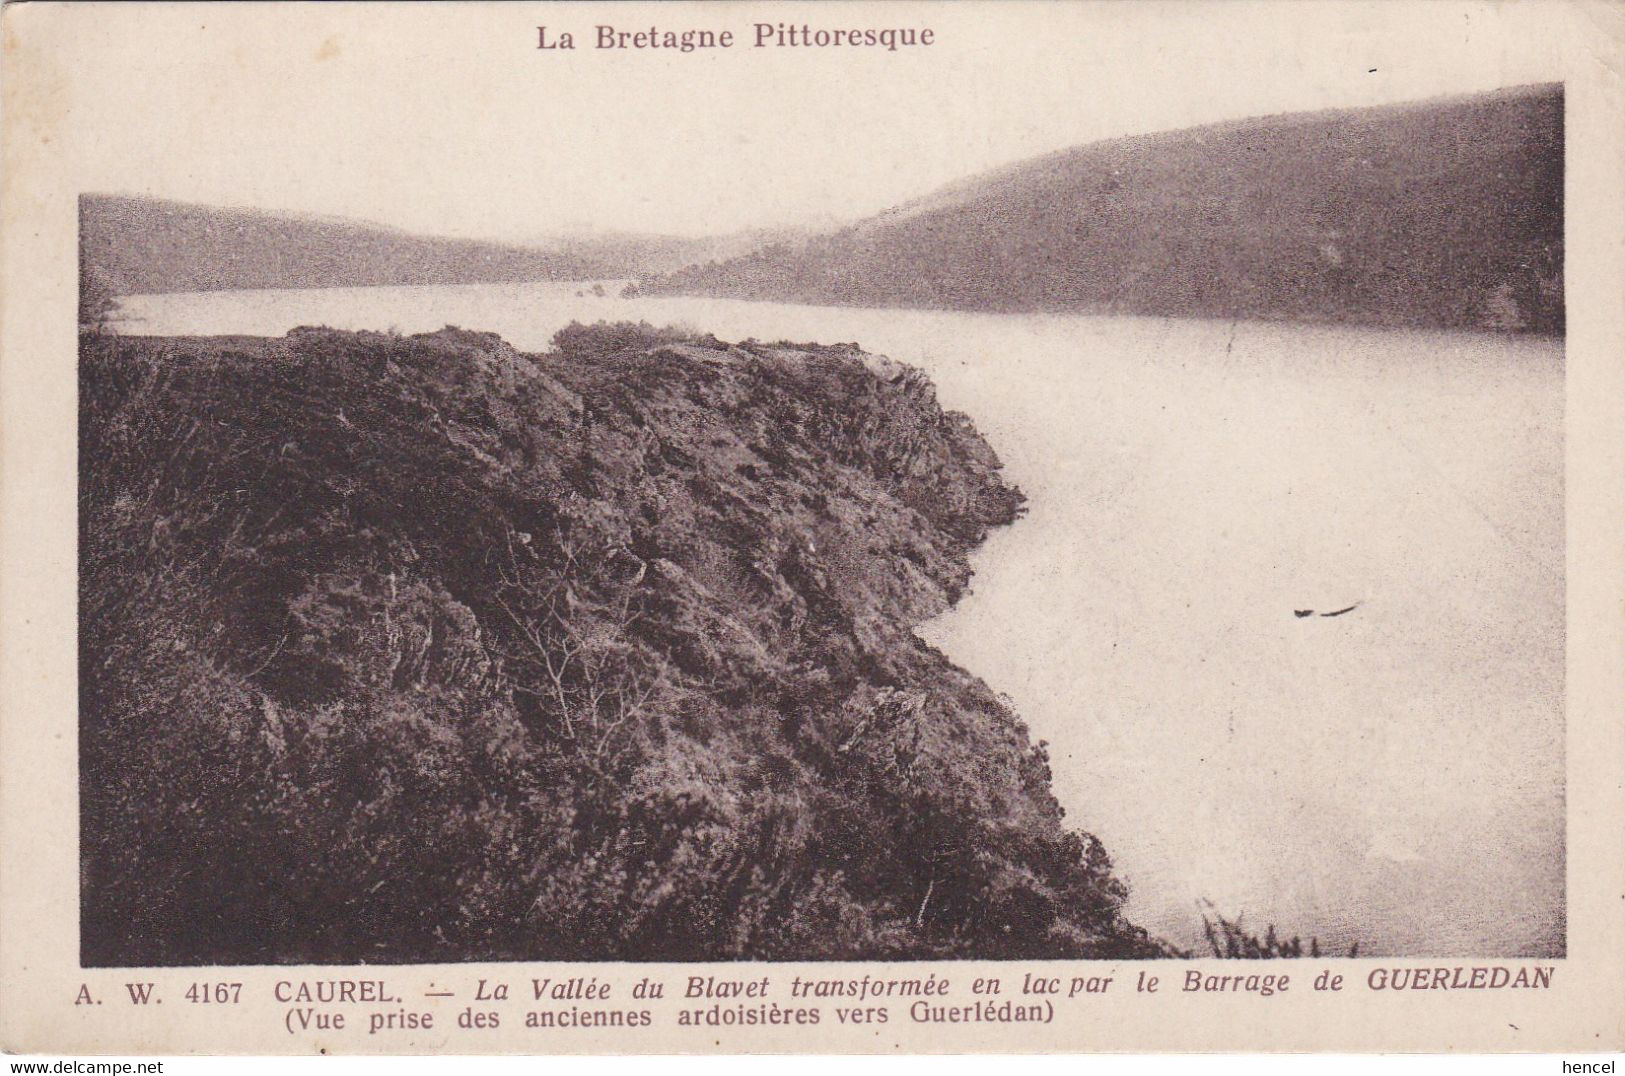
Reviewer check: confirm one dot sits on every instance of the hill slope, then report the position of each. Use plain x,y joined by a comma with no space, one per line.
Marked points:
423,649
1445,214
133,245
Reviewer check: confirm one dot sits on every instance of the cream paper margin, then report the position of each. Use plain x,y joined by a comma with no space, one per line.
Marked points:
46,156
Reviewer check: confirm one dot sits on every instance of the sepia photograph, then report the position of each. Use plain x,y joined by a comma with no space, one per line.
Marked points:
639,596
819,494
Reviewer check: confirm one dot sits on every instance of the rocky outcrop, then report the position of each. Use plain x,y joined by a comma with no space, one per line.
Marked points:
423,649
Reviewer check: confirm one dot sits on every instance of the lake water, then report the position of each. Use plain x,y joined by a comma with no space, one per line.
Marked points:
1392,776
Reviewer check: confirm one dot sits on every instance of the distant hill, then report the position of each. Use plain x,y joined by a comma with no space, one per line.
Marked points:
1446,213
135,245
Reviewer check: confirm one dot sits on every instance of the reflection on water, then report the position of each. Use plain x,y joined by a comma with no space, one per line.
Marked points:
1392,775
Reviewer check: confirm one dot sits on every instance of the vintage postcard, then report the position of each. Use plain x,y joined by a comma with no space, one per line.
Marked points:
791,527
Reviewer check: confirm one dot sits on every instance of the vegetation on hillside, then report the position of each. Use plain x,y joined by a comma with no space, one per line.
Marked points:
422,649
1441,214
1229,939
97,303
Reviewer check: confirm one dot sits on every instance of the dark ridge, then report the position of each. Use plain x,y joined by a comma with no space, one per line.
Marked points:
421,649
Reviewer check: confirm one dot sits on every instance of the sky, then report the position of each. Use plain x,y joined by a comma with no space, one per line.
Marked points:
447,119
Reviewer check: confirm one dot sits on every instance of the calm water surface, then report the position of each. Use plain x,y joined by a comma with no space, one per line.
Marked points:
1392,776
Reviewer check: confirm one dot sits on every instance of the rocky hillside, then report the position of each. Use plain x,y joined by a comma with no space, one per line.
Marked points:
422,649
1442,214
